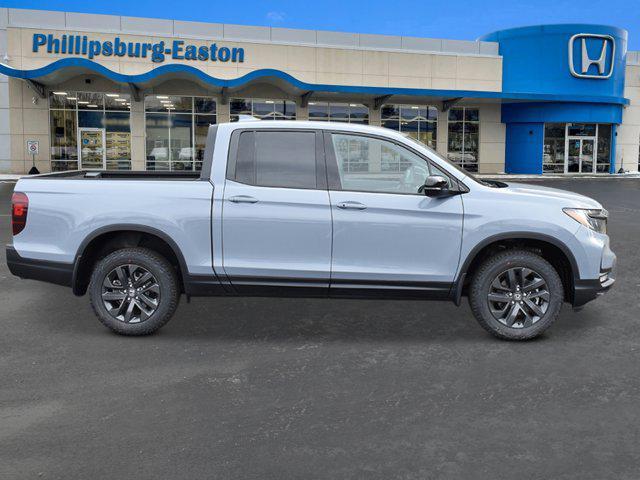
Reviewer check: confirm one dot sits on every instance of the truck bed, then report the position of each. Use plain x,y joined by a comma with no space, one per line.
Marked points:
119,175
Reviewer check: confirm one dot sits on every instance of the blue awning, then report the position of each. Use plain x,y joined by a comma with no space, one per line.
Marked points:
64,69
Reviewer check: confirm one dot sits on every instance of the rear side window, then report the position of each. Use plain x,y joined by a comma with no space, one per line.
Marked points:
276,159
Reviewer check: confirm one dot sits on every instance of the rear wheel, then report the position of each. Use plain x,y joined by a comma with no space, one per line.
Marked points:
516,295
134,291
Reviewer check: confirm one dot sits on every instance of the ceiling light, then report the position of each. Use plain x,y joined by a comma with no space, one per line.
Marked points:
71,98
113,95
161,96
59,93
121,99
353,105
414,108
81,102
268,101
165,101
92,106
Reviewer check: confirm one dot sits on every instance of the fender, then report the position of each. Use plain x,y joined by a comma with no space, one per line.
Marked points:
456,289
126,227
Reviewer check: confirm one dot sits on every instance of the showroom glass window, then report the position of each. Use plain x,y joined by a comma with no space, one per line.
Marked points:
417,121
603,157
176,131
464,137
71,112
264,109
554,147
339,112
560,155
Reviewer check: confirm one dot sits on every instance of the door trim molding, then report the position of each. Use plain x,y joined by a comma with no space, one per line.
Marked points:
339,288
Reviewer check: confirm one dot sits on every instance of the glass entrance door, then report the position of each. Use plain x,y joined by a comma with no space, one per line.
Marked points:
580,155
586,155
91,148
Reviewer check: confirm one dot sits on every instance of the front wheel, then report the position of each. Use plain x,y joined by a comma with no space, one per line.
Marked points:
516,295
134,291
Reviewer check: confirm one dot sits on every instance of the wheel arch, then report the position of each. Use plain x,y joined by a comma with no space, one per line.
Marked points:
104,240
553,250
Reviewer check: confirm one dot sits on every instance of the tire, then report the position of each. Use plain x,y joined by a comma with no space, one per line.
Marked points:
154,297
492,286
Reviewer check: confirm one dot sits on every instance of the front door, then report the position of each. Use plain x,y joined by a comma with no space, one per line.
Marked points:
92,153
580,155
276,218
388,239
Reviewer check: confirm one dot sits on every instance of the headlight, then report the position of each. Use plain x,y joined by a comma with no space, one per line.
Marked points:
596,220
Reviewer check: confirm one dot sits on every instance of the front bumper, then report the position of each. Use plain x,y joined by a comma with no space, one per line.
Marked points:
43,270
587,290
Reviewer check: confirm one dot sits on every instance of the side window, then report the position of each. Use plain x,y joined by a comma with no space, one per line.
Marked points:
276,159
373,165
245,161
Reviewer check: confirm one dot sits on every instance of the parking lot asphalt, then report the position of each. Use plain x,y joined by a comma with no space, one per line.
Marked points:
309,389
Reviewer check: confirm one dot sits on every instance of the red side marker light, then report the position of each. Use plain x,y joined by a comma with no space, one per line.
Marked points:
19,210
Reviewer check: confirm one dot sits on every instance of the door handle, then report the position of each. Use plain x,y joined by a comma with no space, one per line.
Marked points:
351,206
243,199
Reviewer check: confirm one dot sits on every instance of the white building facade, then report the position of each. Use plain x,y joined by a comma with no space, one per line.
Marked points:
110,92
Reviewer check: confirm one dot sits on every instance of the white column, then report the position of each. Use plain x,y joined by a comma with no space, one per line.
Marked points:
138,136
492,139
222,112
5,121
442,132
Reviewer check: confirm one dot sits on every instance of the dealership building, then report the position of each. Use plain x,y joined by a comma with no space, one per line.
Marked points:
84,91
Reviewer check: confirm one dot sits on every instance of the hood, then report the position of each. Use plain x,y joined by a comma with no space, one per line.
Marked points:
570,199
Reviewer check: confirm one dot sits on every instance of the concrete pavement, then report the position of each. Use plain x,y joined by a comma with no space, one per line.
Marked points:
323,389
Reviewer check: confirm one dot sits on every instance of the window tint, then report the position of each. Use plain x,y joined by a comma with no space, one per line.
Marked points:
277,159
373,165
245,165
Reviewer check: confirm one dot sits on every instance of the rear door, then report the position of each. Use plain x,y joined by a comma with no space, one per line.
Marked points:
276,217
387,237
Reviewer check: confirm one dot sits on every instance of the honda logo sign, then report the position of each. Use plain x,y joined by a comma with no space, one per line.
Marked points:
595,57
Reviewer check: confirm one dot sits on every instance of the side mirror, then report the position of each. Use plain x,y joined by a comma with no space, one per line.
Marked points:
435,186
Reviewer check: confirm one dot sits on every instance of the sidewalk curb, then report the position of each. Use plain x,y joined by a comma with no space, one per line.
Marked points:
604,176
9,178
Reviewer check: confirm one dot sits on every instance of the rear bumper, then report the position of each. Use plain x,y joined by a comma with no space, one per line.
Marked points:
43,270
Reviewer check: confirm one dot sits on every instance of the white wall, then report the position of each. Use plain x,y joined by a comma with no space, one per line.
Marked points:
628,139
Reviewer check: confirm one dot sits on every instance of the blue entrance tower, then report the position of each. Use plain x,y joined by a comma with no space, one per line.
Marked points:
582,67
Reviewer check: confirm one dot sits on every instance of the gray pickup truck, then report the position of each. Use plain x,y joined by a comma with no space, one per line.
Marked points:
311,209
